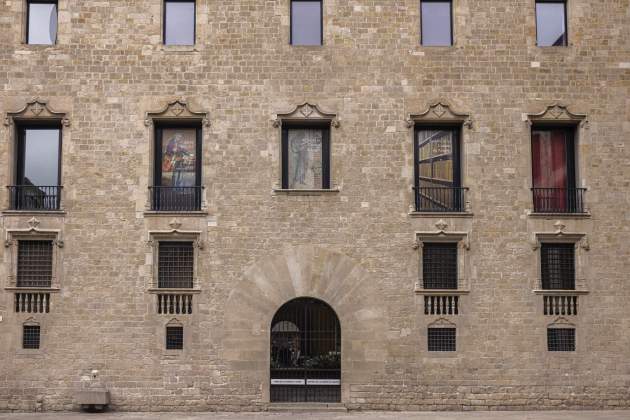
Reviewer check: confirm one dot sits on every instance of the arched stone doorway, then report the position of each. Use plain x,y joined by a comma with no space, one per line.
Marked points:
305,353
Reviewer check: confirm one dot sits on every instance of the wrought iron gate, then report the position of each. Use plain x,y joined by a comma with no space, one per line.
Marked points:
305,353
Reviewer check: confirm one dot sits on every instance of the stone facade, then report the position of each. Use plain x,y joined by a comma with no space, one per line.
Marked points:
356,247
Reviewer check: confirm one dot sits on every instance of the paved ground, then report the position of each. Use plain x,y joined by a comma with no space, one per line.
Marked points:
502,415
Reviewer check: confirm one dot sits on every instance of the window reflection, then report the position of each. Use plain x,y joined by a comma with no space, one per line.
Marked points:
551,24
179,23
41,157
436,23
306,23
42,23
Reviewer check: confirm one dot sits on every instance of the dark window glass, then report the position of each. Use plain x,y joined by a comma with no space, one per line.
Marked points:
306,22
175,265
30,337
436,23
558,266
174,338
439,265
39,156
305,158
561,339
34,263
42,22
179,23
551,23
441,339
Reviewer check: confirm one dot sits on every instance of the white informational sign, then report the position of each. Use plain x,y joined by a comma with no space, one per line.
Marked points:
287,382
323,382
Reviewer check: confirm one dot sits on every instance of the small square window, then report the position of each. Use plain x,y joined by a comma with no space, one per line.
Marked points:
174,338
176,265
30,337
551,23
41,27
305,158
437,23
179,22
439,265
561,339
34,263
306,22
557,266
441,339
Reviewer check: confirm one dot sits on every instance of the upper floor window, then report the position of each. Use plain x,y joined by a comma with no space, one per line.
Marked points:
34,263
557,266
439,265
306,22
306,157
177,168
179,22
561,339
437,22
41,26
176,265
551,23
437,169
30,336
174,338
38,168
441,339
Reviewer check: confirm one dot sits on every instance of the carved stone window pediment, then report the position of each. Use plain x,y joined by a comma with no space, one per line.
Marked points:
176,110
440,112
561,322
306,112
442,323
36,110
558,114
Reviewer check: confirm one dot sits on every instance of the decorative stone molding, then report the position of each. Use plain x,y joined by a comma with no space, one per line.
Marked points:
440,112
561,322
441,235
174,323
306,112
177,110
442,323
36,110
558,113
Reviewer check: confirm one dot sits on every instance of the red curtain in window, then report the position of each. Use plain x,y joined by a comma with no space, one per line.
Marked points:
549,165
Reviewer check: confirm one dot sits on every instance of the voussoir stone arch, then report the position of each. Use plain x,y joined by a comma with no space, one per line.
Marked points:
305,271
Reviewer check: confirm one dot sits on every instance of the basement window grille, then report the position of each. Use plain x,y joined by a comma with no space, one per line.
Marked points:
439,265
174,338
558,266
34,263
561,339
175,265
30,337
441,339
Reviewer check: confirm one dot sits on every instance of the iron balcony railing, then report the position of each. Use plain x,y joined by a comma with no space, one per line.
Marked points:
175,198
559,200
35,197
441,199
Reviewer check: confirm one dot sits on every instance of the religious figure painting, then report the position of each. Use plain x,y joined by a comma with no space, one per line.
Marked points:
178,157
305,158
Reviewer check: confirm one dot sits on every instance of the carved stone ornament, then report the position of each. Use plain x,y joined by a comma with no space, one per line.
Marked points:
441,225
441,322
175,224
37,109
558,113
33,223
177,109
561,322
559,235
440,112
306,112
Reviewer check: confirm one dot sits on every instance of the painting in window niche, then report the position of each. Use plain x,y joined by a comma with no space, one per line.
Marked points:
178,157
305,159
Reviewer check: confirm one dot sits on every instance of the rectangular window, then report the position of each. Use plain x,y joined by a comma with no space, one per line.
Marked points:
561,339
305,157
177,175
437,170
437,23
441,339
179,22
439,265
30,337
41,25
551,23
306,22
557,266
34,263
174,338
176,265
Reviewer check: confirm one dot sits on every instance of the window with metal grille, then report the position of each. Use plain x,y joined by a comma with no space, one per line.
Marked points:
558,266
30,337
441,339
174,338
561,339
439,265
34,263
175,265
